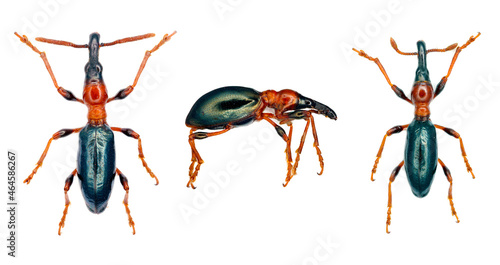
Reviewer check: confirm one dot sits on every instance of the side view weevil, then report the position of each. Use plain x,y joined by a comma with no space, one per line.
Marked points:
229,107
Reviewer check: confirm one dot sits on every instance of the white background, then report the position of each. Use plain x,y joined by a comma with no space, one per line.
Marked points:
336,218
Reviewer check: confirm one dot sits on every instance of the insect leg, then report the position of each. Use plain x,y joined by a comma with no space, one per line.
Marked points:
450,197
395,88
131,133
306,115
393,130
443,81
68,95
316,145
55,136
67,186
126,91
301,145
195,155
457,135
288,139
124,182
394,174
195,158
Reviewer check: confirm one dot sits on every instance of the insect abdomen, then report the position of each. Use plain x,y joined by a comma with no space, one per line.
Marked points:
421,156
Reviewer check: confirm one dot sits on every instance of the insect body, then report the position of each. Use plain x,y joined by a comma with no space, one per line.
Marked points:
421,150
96,163
228,107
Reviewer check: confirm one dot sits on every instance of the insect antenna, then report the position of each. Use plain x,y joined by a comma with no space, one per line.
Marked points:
395,46
61,42
449,48
129,39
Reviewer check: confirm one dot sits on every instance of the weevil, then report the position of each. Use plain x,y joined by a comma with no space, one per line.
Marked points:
228,107
96,158
421,148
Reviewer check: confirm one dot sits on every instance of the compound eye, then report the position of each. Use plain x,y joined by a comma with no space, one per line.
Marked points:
87,67
98,68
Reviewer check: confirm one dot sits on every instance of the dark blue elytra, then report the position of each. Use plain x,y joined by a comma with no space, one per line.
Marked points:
96,165
217,108
420,156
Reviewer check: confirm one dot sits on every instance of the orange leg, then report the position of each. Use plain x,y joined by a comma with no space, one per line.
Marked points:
307,115
65,93
394,174
67,186
443,81
288,152
55,136
131,133
126,91
316,145
395,88
464,155
450,197
124,182
196,158
393,130
299,150
193,160
287,138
